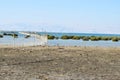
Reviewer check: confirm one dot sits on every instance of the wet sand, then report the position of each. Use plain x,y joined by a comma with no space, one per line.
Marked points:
59,63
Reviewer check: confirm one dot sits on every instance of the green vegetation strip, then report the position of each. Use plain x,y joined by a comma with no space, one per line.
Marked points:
87,38
1,36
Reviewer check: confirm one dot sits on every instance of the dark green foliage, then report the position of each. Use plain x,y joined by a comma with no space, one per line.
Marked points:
8,34
5,34
65,37
109,38
86,38
70,37
115,39
51,37
118,38
27,36
11,34
1,36
94,38
76,37
82,37
98,38
105,38
14,35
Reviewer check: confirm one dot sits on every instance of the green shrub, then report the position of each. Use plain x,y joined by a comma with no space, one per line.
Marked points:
115,39
105,38
11,34
14,35
65,37
86,38
51,37
70,37
98,38
4,33
109,38
118,38
76,37
1,36
82,37
94,38
27,36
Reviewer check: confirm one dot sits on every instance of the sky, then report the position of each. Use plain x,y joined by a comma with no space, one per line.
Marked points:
79,16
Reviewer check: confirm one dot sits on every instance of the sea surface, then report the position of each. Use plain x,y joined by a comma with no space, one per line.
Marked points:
22,41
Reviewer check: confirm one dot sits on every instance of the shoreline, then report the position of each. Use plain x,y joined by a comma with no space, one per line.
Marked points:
68,39
57,46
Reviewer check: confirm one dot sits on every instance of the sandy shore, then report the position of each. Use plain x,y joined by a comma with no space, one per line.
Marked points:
59,63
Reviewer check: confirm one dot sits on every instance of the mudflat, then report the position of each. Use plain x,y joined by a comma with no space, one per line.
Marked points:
59,63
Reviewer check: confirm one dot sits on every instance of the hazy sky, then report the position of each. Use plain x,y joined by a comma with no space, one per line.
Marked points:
83,16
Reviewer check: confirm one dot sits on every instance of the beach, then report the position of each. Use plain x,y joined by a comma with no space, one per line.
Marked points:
59,63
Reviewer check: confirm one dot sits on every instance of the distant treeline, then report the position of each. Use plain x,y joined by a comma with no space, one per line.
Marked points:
86,38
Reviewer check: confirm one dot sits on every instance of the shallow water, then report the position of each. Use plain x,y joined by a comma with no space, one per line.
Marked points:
83,43
21,41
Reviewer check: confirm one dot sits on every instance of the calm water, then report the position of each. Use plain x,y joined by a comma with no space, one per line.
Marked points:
7,40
